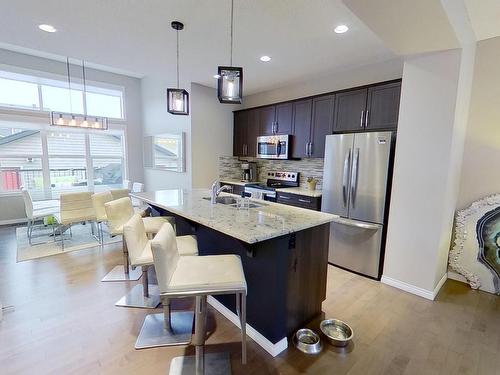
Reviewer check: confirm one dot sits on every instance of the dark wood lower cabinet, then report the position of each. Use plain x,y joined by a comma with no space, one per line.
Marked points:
303,201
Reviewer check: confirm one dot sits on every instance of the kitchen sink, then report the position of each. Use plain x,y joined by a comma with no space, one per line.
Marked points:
223,200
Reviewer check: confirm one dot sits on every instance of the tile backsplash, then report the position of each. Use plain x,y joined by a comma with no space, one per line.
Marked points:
229,167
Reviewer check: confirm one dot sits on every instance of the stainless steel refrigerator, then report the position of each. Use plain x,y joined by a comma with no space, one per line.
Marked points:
355,182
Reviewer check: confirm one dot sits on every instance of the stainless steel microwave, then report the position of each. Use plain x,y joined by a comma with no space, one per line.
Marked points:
273,146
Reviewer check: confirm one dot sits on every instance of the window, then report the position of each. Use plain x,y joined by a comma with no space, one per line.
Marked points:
69,161
32,92
18,94
107,157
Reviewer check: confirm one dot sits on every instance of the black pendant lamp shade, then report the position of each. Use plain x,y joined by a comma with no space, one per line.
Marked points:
230,84
177,98
230,78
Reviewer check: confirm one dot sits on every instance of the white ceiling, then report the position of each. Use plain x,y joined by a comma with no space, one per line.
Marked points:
485,17
134,36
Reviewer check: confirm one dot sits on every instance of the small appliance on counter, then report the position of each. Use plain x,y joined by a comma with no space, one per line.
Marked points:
273,146
275,180
249,171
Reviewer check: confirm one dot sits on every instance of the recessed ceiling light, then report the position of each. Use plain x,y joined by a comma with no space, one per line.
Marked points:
340,29
216,76
265,58
47,28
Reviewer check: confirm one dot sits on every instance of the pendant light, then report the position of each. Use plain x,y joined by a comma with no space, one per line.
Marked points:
75,120
230,78
177,99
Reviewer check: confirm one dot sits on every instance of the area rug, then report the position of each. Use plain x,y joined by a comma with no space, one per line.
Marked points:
44,245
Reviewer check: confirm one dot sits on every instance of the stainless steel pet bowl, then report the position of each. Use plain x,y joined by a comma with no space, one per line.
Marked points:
307,341
338,332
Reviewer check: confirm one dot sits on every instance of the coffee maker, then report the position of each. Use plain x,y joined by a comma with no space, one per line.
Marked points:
249,171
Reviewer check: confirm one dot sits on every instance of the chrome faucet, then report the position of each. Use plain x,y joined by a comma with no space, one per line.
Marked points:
217,189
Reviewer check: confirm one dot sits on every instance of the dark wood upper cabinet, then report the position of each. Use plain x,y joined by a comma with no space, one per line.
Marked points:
252,132
383,106
283,123
267,118
322,124
350,110
240,133
302,112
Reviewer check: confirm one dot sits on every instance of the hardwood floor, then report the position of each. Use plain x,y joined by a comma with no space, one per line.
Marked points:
64,322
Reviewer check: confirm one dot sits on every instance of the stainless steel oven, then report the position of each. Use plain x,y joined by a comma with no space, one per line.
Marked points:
273,147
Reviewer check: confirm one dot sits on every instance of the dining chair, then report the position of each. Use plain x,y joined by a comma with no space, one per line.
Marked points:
34,214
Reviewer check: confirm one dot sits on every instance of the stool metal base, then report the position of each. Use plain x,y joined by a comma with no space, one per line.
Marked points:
215,364
135,298
118,274
153,333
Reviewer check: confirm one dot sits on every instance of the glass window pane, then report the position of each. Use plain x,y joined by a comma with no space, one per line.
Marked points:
67,174
21,172
104,105
106,145
57,99
60,143
18,94
20,142
108,173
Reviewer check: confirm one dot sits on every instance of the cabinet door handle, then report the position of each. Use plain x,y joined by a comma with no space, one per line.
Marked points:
304,200
310,148
366,118
246,149
276,126
283,197
307,148
361,118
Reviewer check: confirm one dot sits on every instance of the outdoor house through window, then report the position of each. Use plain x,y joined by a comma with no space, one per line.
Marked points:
49,160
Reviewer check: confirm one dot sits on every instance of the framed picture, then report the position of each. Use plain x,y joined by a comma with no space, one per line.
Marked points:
165,152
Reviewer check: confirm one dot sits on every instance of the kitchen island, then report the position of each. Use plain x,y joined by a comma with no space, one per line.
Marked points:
284,252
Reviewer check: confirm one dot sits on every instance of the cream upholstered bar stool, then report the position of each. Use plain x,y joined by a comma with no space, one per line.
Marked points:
119,193
139,253
118,212
75,208
98,201
200,277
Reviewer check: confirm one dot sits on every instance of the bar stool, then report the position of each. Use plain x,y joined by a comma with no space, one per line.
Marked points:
98,201
139,254
199,277
118,212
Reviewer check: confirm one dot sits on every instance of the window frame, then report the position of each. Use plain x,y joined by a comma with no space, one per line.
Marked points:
44,129
56,80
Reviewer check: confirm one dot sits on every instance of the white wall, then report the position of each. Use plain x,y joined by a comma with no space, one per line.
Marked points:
363,75
427,163
211,134
208,133
482,144
156,120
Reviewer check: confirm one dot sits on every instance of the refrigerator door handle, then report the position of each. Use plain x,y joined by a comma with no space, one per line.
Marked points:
356,224
345,176
354,177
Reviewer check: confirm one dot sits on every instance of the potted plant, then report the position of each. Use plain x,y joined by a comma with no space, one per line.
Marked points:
311,181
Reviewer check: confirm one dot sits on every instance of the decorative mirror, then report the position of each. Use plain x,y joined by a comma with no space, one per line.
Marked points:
165,152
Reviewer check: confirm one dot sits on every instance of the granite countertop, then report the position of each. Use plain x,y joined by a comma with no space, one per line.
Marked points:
292,190
251,226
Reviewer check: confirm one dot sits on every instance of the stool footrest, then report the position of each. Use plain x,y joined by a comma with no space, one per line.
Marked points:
118,274
215,364
136,298
153,333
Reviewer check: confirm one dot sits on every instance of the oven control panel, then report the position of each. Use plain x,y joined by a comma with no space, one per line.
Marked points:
283,176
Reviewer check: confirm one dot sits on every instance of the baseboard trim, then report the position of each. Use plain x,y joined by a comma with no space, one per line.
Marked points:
268,346
13,221
421,292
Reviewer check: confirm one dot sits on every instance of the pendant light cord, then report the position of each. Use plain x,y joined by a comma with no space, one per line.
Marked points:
69,86
84,88
231,55
177,58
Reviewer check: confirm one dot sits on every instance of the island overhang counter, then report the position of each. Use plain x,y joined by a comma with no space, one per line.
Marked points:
284,252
